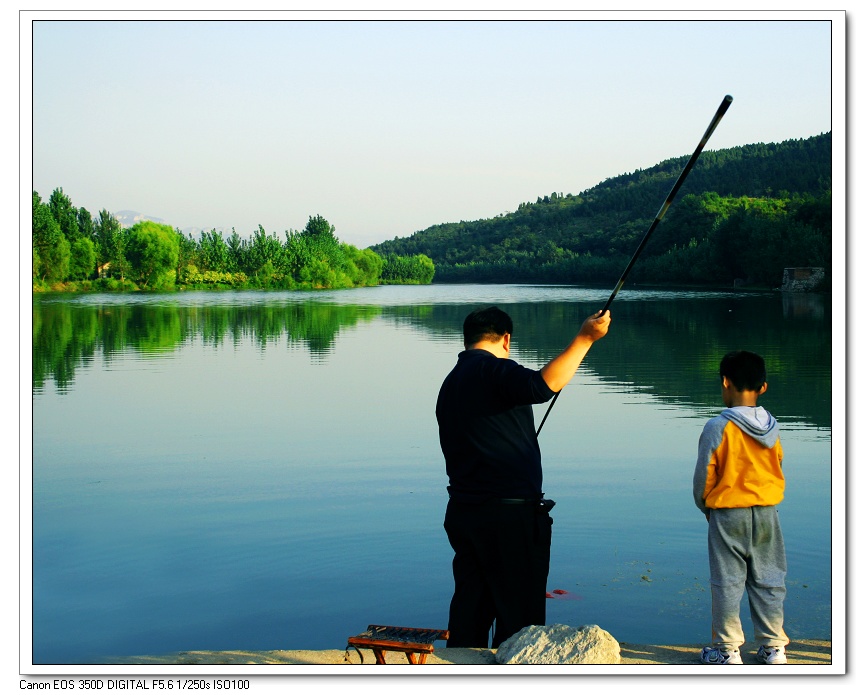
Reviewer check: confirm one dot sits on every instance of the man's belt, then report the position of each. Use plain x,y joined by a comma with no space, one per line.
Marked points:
541,503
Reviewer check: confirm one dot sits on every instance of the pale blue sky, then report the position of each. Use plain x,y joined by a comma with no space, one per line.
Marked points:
388,127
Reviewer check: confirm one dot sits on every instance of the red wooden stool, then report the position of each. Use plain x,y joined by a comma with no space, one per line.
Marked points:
414,642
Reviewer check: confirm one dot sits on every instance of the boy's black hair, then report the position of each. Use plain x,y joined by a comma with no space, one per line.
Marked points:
746,370
490,323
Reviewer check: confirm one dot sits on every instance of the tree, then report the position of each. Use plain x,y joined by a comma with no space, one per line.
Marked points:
368,264
187,251
321,241
423,269
236,251
65,213
264,254
213,251
152,250
82,259
50,248
85,224
108,235
319,228
407,270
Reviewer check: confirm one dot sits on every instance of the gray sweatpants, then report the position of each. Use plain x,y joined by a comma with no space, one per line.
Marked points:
746,551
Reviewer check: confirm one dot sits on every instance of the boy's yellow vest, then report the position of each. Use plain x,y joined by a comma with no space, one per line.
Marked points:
741,472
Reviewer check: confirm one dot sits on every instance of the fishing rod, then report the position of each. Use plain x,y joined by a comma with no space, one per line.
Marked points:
719,114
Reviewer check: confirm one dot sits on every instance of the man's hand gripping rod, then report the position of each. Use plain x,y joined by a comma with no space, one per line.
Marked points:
722,109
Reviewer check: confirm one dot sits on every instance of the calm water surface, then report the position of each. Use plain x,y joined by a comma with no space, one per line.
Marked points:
261,470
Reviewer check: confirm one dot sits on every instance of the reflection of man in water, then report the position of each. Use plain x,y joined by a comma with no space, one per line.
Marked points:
497,520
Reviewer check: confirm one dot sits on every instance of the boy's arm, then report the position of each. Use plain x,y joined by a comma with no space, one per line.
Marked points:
710,438
700,472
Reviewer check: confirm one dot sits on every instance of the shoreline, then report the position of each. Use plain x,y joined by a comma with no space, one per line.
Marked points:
810,652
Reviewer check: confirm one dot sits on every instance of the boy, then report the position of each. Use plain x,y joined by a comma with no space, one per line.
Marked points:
737,483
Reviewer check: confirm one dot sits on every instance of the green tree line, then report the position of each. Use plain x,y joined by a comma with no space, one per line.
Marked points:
743,214
74,251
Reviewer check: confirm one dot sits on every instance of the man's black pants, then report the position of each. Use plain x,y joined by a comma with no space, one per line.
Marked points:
501,562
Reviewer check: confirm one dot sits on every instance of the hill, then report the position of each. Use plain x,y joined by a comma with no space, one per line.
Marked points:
736,205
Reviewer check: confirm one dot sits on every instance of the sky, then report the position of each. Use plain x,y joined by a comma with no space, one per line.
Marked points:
388,124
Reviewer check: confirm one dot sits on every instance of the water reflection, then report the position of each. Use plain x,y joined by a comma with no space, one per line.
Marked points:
665,345
803,305
67,335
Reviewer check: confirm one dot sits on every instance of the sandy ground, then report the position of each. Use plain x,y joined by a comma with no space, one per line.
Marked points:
815,652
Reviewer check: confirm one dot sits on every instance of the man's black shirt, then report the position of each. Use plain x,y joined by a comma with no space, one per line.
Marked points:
487,428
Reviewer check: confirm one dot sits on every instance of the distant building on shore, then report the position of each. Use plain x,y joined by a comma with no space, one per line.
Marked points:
802,279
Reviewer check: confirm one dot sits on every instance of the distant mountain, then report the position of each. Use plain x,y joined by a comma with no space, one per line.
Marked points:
129,217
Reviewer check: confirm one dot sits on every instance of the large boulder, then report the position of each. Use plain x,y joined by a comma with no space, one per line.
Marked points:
559,644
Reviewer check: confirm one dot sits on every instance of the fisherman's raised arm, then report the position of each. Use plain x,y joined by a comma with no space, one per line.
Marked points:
561,369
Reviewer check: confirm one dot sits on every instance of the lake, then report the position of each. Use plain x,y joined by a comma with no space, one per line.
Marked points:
261,470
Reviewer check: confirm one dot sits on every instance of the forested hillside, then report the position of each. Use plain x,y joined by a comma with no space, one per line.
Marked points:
744,213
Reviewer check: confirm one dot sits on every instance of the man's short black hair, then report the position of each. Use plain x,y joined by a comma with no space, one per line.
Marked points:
489,323
746,370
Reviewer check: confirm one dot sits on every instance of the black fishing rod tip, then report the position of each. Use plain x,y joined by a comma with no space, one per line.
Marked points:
728,99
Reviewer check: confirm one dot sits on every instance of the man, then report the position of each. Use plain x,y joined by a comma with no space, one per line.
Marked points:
497,520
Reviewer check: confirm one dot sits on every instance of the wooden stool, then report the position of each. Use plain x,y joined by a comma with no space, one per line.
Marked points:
414,642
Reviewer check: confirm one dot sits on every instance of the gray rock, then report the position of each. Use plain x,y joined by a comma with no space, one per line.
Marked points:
559,644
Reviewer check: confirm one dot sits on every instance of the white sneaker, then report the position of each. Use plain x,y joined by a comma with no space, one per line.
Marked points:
772,655
716,655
